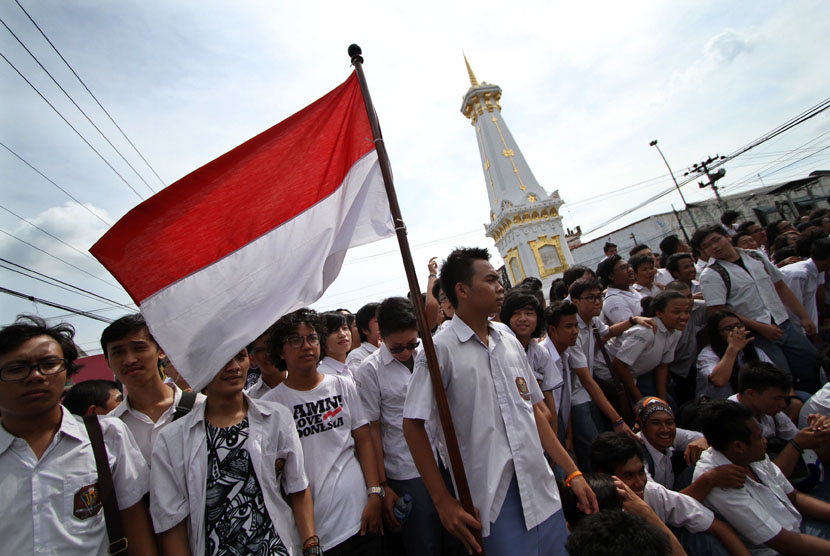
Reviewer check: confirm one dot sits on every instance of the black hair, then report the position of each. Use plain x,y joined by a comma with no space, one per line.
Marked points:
605,269
729,217
350,319
364,315
616,533
26,327
558,290
782,253
459,268
518,298
805,241
661,301
677,286
724,421
331,321
820,250
584,285
89,392
761,376
673,263
396,314
436,289
555,312
608,246
719,345
738,235
744,226
575,273
637,248
669,245
532,282
604,489
639,260
610,450
772,231
701,233
286,326
126,325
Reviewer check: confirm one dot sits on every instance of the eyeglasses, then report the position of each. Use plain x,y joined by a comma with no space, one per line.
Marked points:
407,347
19,371
731,327
296,342
591,298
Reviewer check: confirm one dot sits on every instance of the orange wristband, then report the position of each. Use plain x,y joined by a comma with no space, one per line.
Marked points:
571,477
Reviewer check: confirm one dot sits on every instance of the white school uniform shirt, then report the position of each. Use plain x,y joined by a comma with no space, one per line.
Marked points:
642,349
818,403
358,354
752,293
676,509
663,472
644,291
582,355
663,277
179,471
258,389
144,430
759,510
491,391
707,359
804,279
620,305
779,426
43,497
383,383
543,366
561,395
325,417
685,353
331,366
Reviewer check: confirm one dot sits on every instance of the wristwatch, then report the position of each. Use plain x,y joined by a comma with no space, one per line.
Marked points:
379,490
313,550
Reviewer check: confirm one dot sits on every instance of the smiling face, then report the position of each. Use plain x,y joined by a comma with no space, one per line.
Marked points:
633,474
565,333
523,323
676,314
660,430
589,304
231,379
36,394
686,270
339,342
134,358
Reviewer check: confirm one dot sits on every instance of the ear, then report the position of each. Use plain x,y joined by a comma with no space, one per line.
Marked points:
91,410
461,290
737,447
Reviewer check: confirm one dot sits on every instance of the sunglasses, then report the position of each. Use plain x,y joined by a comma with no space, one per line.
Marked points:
407,347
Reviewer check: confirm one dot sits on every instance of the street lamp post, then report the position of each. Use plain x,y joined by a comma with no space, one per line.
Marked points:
677,185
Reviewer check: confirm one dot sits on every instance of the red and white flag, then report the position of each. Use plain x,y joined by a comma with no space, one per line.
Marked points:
215,258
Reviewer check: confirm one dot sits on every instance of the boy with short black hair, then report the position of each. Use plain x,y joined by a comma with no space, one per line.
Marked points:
52,500
93,397
644,272
134,356
366,320
270,376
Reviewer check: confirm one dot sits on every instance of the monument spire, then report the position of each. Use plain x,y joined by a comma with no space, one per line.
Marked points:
524,218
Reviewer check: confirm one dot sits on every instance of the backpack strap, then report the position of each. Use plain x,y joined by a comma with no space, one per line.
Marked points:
724,274
186,403
112,518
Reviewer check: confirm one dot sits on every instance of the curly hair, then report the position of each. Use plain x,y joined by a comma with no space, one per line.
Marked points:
287,325
27,327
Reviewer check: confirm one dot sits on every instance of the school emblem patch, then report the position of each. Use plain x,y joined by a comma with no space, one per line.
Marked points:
522,386
87,502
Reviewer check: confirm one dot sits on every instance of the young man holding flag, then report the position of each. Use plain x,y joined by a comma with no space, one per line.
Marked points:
501,430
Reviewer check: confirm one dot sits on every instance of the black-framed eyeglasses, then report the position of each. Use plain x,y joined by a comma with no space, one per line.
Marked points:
19,371
407,347
296,342
731,327
591,298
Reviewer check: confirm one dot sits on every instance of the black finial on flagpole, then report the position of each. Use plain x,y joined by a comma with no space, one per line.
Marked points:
355,53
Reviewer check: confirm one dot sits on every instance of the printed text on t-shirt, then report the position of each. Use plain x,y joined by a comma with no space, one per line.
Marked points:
319,416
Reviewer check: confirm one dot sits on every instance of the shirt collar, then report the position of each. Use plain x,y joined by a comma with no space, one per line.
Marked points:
465,333
125,406
655,453
371,348
387,358
660,326
70,426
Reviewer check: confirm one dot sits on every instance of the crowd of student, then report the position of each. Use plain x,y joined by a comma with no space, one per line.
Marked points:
656,405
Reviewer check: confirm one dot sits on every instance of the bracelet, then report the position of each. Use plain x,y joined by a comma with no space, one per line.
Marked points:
631,321
571,477
432,276
797,446
618,422
313,540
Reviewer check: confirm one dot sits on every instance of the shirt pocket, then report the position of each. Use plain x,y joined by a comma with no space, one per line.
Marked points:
83,505
519,390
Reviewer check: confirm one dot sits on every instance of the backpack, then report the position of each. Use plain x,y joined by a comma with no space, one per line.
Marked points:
186,403
724,274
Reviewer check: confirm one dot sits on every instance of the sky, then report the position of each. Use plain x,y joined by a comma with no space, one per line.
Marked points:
585,89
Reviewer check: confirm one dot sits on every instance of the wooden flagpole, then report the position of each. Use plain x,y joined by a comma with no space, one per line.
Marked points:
415,290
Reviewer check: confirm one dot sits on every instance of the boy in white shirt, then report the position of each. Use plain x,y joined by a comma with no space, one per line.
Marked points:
366,321
270,376
501,431
218,473
644,272
51,497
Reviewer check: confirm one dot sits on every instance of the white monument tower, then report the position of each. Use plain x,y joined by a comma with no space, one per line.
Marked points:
524,219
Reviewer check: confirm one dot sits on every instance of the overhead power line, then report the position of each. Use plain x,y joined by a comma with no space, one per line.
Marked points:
81,110
44,176
56,305
78,133
35,226
55,48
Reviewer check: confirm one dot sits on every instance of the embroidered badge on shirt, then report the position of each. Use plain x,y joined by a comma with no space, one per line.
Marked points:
87,502
522,386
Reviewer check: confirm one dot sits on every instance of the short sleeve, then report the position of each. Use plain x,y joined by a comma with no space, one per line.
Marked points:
420,398
367,377
168,496
784,427
130,473
352,401
706,362
290,450
634,342
577,358
713,286
678,510
774,272
616,309
671,347
533,386
744,514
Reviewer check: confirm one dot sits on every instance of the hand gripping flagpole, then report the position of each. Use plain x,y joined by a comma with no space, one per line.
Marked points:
420,311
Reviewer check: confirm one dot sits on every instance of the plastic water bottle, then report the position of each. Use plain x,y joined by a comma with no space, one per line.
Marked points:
403,507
